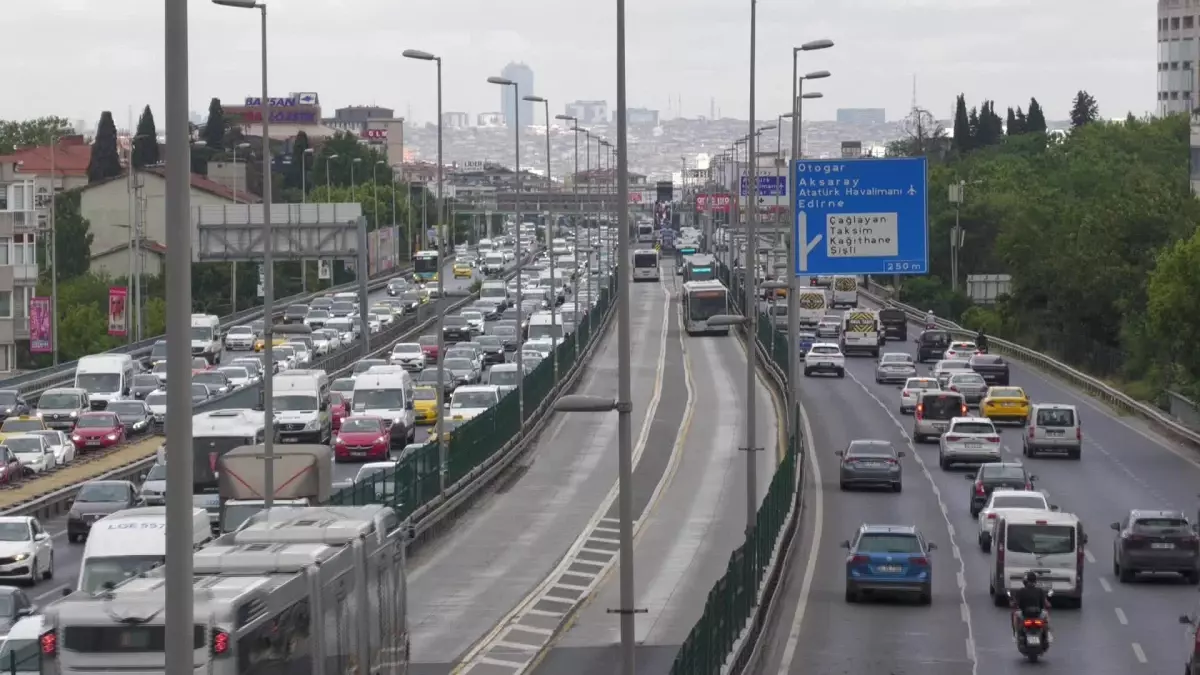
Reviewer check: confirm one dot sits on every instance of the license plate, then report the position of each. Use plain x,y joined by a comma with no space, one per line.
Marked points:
290,439
824,363
1162,546
888,569
940,426
359,453
1033,640
974,446
93,442
1054,432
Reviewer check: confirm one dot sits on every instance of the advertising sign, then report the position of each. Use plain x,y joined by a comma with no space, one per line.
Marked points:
294,115
699,174
289,102
715,203
39,325
473,165
635,197
324,270
375,134
117,325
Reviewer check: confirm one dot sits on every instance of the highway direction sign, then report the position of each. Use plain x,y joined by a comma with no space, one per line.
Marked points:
861,216
768,186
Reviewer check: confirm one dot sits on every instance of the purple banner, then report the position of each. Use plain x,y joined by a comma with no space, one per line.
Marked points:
39,325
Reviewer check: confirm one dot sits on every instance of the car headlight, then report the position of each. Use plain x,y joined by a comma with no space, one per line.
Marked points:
111,437
20,556
74,414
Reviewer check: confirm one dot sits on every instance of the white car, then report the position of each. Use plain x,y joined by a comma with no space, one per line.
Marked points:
824,357
238,376
303,353
969,440
409,355
943,370
33,452
383,314
240,337
961,351
543,346
60,444
320,343
1004,500
474,320
331,338
24,544
910,395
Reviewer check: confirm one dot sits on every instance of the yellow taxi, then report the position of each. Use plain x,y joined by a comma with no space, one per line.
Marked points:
276,341
463,270
20,425
1005,404
425,407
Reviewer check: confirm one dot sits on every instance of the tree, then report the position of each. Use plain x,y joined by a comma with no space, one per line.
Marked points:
296,177
1084,110
145,142
1022,123
1010,123
214,128
72,237
347,148
988,126
1035,119
39,131
962,126
922,135
105,162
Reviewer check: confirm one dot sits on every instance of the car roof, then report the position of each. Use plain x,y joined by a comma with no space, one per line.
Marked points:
866,528
827,344
1156,513
1014,491
969,419
1055,406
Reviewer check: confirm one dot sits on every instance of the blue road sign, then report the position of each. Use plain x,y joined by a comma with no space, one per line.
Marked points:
861,216
768,186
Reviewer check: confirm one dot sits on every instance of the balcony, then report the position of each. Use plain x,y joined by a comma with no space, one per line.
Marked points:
20,328
21,222
25,275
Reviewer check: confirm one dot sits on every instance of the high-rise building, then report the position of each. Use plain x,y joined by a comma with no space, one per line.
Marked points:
861,115
523,76
1178,36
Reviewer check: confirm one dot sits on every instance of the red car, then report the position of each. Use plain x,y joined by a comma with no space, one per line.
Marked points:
362,437
339,408
95,430
429,345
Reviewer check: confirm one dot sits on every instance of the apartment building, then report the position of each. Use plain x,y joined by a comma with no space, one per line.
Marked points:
1178,52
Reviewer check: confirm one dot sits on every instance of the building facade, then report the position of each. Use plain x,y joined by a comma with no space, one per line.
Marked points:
1178,35
509,100
490,119
588,112
641,117
456,120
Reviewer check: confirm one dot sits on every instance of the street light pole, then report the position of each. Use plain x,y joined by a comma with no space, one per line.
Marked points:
304,200
505,82
750,277
553,305
578,215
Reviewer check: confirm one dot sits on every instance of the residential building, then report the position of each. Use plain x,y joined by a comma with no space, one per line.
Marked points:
861,116
588,112
355,117
641,117
523,76
1178,36
603,179
489,119
456,120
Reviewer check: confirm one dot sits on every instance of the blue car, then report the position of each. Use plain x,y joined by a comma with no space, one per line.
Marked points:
891,560
806,341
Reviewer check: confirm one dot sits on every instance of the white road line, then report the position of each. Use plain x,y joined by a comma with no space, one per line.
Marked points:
1105,585
56,591
1138,653
1121,619
1090,558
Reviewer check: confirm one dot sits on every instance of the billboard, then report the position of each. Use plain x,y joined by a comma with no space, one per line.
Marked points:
718,203
40,332
117,325
375,135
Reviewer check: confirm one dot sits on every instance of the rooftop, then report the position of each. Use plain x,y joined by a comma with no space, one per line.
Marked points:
70,156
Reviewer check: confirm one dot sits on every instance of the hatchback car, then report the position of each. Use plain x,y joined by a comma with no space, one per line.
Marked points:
408,355
934,411
824,357
871,463
894,367
961,351
27,554
96,430
361,437
829,327
32,452
1005,404
135,416
143,383
969,440
1156,541
96,499
994,475
1053,428
889,559
969,384
910,393
991,367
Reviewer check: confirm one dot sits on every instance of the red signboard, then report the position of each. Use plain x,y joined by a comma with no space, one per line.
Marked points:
635,197
375,134
717,203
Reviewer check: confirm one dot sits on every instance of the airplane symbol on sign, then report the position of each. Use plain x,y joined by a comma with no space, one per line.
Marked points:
912,191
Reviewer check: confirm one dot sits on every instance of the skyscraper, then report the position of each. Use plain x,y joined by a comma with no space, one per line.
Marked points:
523,76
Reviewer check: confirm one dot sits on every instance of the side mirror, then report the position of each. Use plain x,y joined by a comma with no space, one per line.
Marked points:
1054,507
1115,526
66,591
41,536
931,546
142,476
839,453
1032,477
845,544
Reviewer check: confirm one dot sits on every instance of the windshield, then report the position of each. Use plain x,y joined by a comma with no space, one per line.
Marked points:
943,366
922,384
13,532
888,543
361,425
504,331
200,391
295,403
241,330
973,428
973,380
59,401
999,473
209,377
896,358
342,307
411,296
126,408
234,373
98,382
825,350
7,398
157,472
645,260
472,399
704,305
407,349
424,394
388,399
98,572
489,341
157,398
146,380
1006,392
366,364
237,514
503,377
1018,502
1041,539
102,492
96,422
428,340
457,364
203,334
543,330
317,314
158,351
342,384
454,321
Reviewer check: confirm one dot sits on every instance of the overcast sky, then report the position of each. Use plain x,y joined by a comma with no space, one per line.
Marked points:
77,57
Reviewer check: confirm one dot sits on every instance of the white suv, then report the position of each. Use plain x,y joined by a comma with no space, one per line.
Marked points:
969,440
824,357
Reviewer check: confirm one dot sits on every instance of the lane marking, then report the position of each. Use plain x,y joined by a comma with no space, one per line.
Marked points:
1121,619
810,565
57,591
1138,653
1090,558
1104,584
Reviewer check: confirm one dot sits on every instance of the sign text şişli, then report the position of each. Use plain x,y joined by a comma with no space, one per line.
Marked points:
862,235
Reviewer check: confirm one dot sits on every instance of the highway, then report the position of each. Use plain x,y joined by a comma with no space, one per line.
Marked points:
1121,629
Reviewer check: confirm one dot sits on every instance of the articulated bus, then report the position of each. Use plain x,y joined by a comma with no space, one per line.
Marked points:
681,254
645,265
426,266
700,268
645,233
703,300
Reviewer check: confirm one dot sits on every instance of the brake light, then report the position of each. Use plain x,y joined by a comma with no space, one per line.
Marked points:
859,560
979,488
220,642
993,439
1079,433
919,562
964,410
1133,537
991,516
1031,431
954,439
1034,623
920,413
49,644
953,388
1079,565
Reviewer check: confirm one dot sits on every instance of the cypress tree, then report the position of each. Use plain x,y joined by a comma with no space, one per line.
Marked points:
1084,109
962,126
105,162
145,143
973,125
1021,122
215,126
1010,123
1035,119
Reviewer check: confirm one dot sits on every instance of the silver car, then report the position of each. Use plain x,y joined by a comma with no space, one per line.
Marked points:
943,369
871,463
894,367
971,385
969,440
829,327
910,395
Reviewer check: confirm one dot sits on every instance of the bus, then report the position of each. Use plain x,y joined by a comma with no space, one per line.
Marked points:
426,266
703,300
645,233
700,268
681,254
645,265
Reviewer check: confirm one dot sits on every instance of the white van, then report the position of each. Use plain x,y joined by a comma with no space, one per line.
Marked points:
470,401
810,306
545,325
206,338
390,396
496,291
105,377
845,292
301,399
126,543
493,263
1050,544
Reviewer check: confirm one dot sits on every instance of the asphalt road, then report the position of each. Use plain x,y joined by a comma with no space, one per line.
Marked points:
474,574
1122,629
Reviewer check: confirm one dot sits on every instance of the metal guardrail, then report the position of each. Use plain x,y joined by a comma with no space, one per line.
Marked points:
1113,397
36,381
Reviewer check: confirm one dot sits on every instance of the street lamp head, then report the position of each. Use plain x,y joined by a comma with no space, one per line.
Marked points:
500,80
199,144
380,162
240,4
308,151
817,75
816,44
769,127
724,320
567,118
813,94
787,116
243,146
533,99
418,55
357,160
584,403
333,157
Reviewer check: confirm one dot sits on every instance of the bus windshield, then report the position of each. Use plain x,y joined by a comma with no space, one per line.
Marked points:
703,305
97,572
426,261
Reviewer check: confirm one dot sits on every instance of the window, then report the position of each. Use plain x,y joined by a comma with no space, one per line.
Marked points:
5,246
1189,21
1175,23
6,300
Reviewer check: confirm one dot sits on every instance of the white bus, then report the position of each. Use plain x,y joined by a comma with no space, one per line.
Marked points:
645,233
703,300
645,265
127,543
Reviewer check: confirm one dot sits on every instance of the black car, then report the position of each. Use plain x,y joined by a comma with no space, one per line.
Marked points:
295,313
932,345
429,378
895,324
143,384
201,393
455,329
135,416
410,301
396,286
1156,541
493,348
992,368
12,404
508,336
490,310
97,499
994,475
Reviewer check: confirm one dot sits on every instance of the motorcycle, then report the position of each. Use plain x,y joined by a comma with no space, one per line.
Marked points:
1033,634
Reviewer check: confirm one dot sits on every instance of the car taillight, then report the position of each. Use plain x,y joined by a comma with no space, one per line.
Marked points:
1132,537
953,388
1028,485
1078,433
920,413
919,562
954,439
979,488
49,644
1031,431
993,439
220,642
1034,623
964,410
991,516
859,560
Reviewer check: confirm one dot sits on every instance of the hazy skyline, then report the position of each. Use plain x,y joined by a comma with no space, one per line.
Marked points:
77,57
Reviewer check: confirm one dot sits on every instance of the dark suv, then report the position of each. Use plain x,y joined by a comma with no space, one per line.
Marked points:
992,475
932,345
895,324
1156,541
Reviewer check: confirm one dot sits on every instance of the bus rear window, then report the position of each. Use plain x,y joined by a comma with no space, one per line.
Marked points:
123,639
645,260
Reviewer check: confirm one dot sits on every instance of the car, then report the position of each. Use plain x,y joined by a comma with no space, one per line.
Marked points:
12,402
474,320
429,346
339,409
142,384
871,463
303,351
324,341
384,315
363,365
504,376
807,340
361,437
995,475
378,478
971,385
910,393
252,364
508,335
1053,428
215,379
316,317
320,303
200,392
97,430
410,300
889,559
60,444
829,327
942,370
931,345
240,338
429,378
456,329
342,309
96,499
295,314
135,416
260,342
32,452
894,367
969,440
1005,404
961,351
491,308
992,367
343,385
493,349
1156,541
425,404
1002,501
825,357
26,554
462,370
397,286
463,270
408,355
238,376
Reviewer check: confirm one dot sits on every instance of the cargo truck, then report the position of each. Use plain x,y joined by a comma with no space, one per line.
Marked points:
303,477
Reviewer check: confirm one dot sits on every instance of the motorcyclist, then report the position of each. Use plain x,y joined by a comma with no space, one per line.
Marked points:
930,320
981,341
1029,599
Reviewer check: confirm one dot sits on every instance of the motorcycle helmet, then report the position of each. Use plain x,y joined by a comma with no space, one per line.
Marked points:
1031,578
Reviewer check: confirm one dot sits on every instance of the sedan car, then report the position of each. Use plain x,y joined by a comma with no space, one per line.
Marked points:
1005,404
491,309
889,559
970,385
97,430
32,452
143,383
238,376
464,371
135,416
456,329
200,393
295,314
910,394
993,476
429,378
363,365
409,355
871,463
961,350
425,405
12,403
463,270
96,499
154,485
807,340
215,379
508,336
894,367
969,440
26,554
60,444
943,369
240,338
991,367
493,348
1156,541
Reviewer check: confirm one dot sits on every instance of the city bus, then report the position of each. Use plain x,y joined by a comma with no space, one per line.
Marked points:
703,300
700,268
645,233
681,254
426,266
645,265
